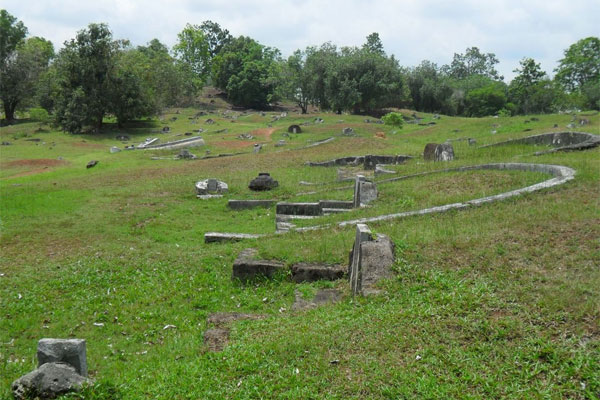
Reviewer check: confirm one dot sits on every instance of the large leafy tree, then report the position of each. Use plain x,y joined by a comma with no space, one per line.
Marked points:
86,65
246,71
12,33
473,62
21,71
579,70
295,82
171,81
215,36
192,48
527,89
430,90
487,100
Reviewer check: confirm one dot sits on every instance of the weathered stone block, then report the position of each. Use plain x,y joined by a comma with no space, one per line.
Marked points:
264,181
308,272
70,351
429,152
444,152
246,267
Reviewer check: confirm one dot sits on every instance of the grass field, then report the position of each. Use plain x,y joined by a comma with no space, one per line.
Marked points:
499,301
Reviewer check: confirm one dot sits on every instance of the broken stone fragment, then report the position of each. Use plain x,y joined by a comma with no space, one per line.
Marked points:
49,381
70,351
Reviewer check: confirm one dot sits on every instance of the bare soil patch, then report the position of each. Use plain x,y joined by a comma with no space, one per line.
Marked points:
33,166
264,132
37,162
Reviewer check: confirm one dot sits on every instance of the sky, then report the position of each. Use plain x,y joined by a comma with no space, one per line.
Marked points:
411,30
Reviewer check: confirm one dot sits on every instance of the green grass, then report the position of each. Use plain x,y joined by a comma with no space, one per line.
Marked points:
498,301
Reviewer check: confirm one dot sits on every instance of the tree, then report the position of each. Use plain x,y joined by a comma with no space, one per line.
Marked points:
579,70
172,82
215,37
247,71
430,90
525,84
192,48
374,44
473,62
11,34
20,73
485,101
295,82
85,66
318,63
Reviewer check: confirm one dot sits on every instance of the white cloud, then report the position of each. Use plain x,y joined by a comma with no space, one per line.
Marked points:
412,30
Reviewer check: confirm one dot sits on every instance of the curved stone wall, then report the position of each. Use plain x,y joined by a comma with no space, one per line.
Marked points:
561,141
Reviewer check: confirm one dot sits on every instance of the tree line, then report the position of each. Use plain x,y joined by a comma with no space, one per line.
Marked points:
95,75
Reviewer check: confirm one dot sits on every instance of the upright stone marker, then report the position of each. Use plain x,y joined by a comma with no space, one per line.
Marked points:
363,234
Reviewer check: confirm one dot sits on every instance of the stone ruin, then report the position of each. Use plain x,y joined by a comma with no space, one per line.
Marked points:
438,152
294,129
364,192
369,161
262,182
371,259
62,368
210,188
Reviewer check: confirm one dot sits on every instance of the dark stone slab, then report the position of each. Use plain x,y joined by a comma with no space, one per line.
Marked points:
310,272
246,267
249,204
312,209
429,152
264,181
294,129
219,237
336,204
91,164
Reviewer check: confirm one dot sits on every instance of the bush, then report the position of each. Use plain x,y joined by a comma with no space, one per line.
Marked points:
40,115
393,119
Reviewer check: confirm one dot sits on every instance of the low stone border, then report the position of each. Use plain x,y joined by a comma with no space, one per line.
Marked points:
561,175
369,161
562,141
188,142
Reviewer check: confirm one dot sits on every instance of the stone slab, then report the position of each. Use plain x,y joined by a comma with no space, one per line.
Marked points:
311,272
70,351
219,237
246,267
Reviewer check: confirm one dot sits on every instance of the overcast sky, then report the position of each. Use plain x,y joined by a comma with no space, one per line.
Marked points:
412,30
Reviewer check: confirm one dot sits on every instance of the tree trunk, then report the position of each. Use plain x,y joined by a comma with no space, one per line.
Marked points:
9,110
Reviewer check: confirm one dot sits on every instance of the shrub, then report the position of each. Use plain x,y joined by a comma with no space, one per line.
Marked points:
393,119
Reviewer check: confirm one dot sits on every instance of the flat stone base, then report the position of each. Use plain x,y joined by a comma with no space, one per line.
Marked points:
307,272
218,237
246,267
